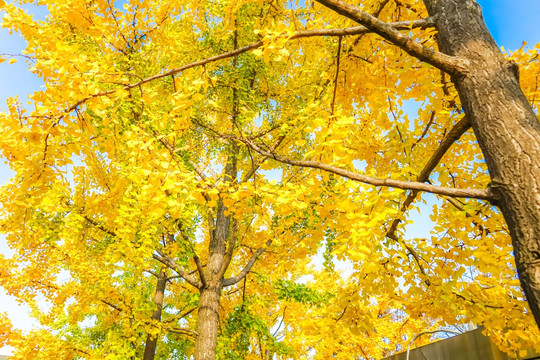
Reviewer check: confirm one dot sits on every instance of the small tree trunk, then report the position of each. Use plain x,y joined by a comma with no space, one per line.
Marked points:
506,127
208,322
151,341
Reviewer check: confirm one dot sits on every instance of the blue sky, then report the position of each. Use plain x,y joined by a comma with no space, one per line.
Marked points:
511,23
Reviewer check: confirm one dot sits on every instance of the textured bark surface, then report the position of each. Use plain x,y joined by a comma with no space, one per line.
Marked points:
151,341
506,127
212,279
208,315
208,323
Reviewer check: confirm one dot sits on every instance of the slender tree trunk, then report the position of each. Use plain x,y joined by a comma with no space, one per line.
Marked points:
506,127
151,341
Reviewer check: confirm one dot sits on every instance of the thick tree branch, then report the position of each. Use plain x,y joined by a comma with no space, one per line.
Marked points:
360,30
181,331
455,133
405,185
151,340
200,270
230,250
166,260
245,271
449,64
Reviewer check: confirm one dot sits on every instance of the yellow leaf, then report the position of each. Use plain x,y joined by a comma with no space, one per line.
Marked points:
284,52
198,97
12,60
257,52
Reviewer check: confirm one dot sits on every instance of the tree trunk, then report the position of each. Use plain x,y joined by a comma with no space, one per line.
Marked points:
506,127
208,322
151,341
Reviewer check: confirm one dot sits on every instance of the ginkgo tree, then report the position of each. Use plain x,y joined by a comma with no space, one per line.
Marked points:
143,214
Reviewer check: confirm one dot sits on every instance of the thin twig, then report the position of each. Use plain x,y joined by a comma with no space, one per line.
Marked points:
402,25
166,260
245,271
337,75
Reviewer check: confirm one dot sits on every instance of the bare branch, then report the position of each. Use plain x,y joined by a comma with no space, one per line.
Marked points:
115,307
230,250
416,257
188,332
426,129
450,64
151,272
166,260
99,226
162,258
199,269
258,163
484,194
455,133
337,76
343,313
360,30
196,258
245,271
281,322
177,317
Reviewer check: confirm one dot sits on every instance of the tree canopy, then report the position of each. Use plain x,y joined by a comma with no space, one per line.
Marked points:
193,173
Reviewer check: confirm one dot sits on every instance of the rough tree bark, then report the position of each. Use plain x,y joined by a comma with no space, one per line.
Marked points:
151,341
503,121
212,277
208,322
506,127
